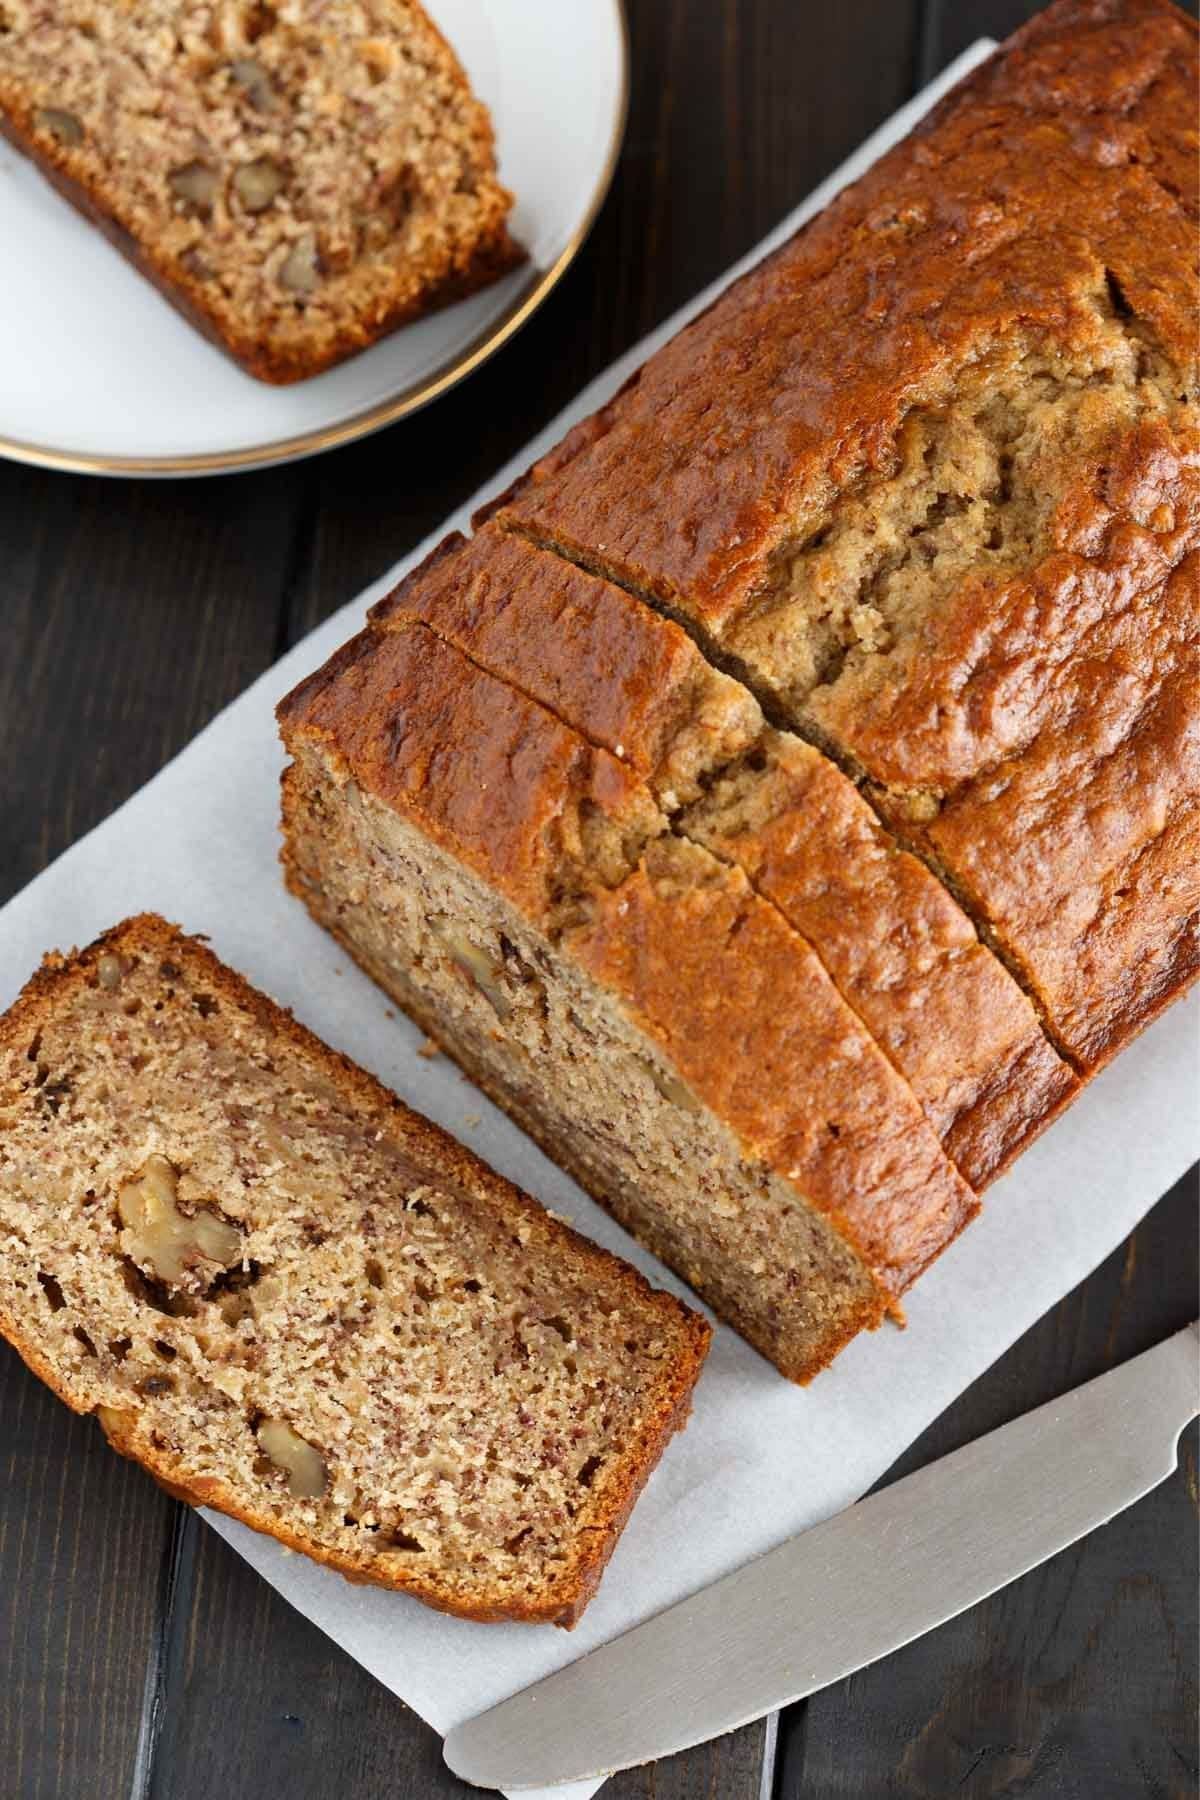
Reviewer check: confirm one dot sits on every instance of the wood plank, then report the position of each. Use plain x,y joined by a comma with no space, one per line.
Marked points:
133,611
1078,1681
81,1542
261,1702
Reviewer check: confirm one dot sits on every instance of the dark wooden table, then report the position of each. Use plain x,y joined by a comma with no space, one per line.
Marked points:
139,1657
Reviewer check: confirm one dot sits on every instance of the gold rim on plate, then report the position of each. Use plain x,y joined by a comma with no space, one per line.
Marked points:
384,412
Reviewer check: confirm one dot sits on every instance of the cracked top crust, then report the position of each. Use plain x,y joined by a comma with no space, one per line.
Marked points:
981,239
929,478
924,487
570,835
901,951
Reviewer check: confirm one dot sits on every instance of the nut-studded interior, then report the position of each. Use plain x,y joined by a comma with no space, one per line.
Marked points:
242,1262
296,165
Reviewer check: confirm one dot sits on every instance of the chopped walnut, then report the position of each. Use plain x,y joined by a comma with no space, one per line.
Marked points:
61,125
483,970
257,184
172,1245
109,971
300,1462
195,183
301,271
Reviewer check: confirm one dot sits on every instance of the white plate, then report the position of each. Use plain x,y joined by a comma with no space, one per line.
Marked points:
99,373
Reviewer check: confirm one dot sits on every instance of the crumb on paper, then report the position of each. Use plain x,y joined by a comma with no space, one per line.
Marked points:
428,1049
388,1013
471,1120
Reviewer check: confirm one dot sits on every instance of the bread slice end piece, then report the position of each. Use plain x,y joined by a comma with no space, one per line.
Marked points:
184,1374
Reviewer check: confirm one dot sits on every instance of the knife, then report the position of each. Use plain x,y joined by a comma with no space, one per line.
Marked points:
850,1590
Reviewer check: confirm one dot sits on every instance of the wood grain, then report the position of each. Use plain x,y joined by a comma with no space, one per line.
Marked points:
82,1536
133,611
140,1657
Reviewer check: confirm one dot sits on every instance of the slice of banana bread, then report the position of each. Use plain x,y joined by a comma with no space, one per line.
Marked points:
293,1299
657,1025
899,948
297,176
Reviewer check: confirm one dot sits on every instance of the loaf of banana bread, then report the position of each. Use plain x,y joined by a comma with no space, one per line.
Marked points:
807,750
293,1299
298,176
929,478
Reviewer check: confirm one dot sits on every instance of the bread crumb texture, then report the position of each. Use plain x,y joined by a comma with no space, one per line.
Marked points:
299,177
294,1300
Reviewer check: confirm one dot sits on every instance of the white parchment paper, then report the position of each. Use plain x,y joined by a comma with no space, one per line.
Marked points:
761,1459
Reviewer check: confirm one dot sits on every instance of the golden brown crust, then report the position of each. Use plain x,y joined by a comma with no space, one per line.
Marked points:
492,253
753,1023
1058,720
563,1602
986,222
940,1004
483,771
501,784
611,670
1089,867
1046,702
903,954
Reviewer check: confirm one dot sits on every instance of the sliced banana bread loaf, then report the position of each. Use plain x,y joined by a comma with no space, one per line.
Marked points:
929,479
293,1299
901,951
661,1028
297,176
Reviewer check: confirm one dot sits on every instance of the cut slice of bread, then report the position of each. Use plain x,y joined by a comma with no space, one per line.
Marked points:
297,176
293,1299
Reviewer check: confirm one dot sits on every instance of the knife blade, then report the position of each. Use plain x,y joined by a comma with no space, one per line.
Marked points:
851,1589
